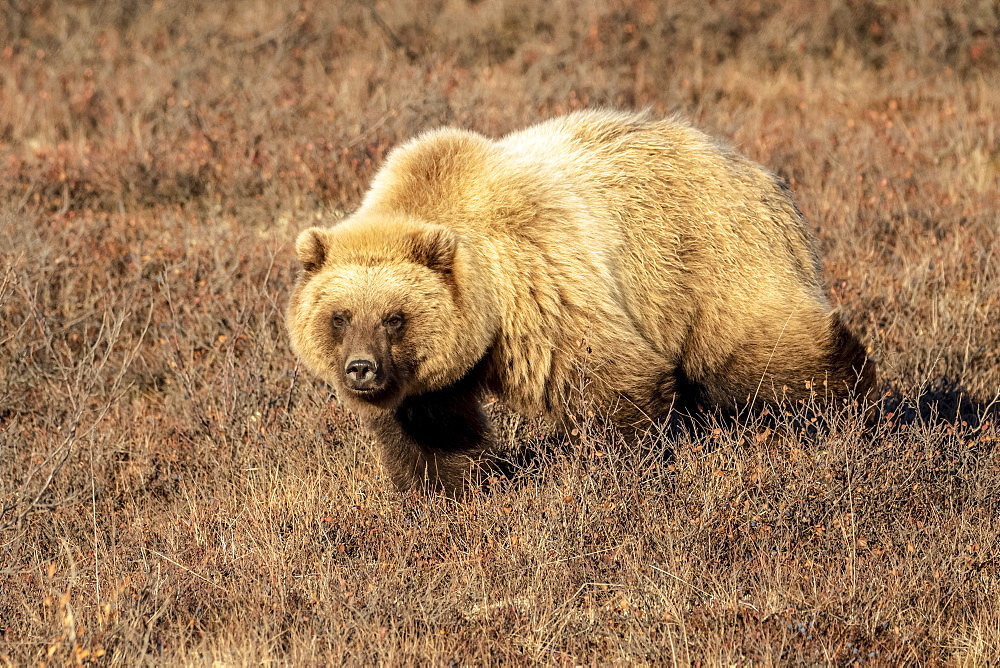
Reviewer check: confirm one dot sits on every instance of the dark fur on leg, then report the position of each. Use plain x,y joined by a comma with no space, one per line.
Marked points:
434,438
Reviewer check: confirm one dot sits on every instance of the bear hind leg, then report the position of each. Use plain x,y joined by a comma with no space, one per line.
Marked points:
849,364
796,368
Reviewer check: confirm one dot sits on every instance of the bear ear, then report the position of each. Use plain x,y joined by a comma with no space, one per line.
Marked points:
435,248
311,247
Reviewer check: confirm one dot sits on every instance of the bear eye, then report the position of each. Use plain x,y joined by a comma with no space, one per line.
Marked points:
339,319
394,321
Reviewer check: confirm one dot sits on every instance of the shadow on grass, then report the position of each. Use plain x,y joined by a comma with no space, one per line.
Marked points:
942,402
943,405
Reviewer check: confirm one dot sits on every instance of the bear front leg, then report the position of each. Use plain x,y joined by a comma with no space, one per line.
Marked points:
434,438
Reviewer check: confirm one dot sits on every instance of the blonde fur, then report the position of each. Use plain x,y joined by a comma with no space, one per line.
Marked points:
640,251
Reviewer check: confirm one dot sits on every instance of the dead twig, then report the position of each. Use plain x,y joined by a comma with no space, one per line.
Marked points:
389,34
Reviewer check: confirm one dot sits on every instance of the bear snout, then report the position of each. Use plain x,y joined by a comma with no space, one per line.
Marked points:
361,374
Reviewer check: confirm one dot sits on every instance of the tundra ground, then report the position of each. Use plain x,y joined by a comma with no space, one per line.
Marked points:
174,489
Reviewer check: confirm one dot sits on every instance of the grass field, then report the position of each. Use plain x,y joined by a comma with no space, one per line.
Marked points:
174,489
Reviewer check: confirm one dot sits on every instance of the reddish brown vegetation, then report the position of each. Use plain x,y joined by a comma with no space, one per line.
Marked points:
173,490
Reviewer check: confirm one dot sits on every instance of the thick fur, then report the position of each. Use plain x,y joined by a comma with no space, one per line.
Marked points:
602,259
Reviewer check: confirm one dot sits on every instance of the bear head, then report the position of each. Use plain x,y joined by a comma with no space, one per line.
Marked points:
388,308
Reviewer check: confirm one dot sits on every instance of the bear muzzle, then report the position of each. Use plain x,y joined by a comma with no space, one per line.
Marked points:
362,375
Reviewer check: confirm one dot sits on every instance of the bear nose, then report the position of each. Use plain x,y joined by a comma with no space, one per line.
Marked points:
360,374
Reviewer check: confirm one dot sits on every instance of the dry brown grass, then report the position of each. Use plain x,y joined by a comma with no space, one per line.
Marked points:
174,490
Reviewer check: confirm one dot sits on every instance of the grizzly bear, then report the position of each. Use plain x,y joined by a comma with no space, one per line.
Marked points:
600,261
